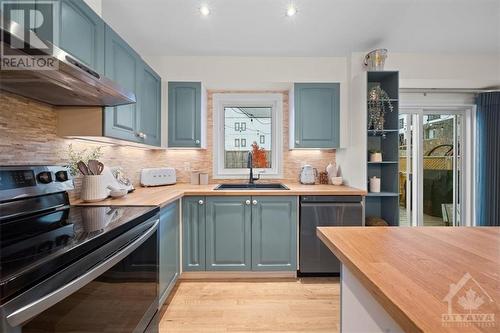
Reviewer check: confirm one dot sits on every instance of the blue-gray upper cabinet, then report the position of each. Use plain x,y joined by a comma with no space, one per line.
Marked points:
193,231
82,33
316,115
77,29
184,114
274,233
228,238
124,66
149,97
169,249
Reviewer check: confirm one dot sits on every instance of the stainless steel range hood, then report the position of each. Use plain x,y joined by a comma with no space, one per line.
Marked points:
71,83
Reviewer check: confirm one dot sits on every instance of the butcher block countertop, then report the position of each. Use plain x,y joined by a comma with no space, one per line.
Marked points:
163,195
414,272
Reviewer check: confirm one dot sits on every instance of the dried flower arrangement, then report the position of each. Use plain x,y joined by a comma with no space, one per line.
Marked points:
378,103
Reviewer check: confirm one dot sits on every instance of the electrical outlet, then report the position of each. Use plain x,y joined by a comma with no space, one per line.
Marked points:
187,166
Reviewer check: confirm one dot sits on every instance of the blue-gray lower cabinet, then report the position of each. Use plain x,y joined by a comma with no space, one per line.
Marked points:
274,233
184,114
228,234
193,230
316,115
169,249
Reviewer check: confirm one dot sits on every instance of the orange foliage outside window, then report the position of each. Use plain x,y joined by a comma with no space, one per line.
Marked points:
259,156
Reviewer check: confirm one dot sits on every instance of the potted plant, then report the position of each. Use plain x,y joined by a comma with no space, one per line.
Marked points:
375,155
378,104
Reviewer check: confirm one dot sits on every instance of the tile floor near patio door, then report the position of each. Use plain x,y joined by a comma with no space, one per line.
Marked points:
285,305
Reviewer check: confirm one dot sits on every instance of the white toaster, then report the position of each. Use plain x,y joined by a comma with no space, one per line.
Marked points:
158,176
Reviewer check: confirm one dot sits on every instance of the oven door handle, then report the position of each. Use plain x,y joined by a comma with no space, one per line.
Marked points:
23,314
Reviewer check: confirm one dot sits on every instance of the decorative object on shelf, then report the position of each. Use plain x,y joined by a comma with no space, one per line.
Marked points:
81,156
375,60
375,155
336,180
323,177
375,184
372,221
308,175
378,103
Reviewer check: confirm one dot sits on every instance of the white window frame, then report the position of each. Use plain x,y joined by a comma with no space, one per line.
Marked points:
272,100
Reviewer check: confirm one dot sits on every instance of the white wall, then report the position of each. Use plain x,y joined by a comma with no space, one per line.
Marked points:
415,71
439,70
258,74
96,6
250,73
271,73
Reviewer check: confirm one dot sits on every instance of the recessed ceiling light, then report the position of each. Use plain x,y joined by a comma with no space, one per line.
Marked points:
204,10
291,11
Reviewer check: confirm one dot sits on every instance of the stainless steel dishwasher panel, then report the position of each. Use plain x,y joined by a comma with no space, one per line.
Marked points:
316,211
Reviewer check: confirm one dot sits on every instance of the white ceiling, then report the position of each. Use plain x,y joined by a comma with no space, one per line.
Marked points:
320,28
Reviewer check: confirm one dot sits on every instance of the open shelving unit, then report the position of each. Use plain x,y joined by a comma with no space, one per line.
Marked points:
385,204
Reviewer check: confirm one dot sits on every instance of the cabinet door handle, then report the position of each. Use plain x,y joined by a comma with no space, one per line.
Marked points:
200,202
197,142
297,141
141,135
247,202
254,202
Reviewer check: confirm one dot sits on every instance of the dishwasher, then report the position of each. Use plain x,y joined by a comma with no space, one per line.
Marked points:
318,211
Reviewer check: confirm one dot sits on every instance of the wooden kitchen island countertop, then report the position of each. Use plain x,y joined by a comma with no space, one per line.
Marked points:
413,273
163,195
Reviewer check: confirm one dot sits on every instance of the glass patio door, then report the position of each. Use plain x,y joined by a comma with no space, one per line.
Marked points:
431,167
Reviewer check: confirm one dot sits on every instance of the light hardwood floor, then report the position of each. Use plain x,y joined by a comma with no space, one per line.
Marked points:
284,305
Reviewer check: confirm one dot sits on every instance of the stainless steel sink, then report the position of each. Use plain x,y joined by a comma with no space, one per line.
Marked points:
247,186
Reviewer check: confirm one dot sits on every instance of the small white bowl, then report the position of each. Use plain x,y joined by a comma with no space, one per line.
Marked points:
118,193
336,180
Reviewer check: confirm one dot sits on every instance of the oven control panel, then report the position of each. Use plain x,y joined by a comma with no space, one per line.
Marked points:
22,181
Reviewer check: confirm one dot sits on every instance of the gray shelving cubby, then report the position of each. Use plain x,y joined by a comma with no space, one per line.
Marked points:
385,204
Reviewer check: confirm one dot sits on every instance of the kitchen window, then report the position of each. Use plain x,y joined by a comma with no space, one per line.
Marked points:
260,130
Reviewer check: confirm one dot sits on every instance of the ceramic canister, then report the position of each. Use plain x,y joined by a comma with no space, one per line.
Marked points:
93,188
375,184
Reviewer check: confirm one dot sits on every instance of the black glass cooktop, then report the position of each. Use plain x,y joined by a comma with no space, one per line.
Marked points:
33,247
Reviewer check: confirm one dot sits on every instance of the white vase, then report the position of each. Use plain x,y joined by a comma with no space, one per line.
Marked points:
93,188
375,185
376,157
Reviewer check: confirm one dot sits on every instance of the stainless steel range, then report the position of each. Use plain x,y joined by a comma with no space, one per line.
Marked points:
73,269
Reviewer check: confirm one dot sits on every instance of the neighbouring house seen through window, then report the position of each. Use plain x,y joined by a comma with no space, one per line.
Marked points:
245,129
